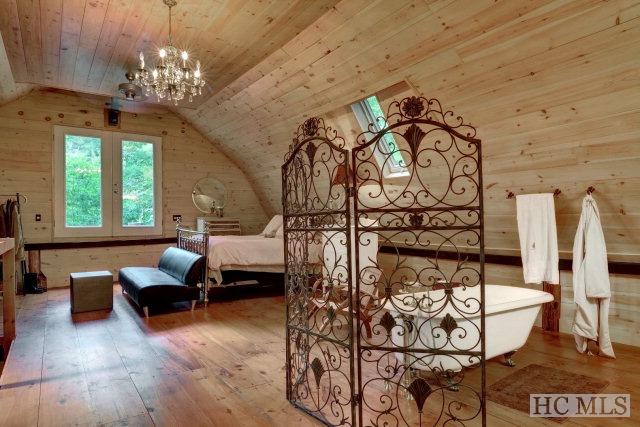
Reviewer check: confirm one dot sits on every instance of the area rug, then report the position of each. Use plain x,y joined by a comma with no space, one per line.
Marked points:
513,390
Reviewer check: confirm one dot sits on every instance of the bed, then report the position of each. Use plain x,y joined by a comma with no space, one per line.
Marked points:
244,253
262,253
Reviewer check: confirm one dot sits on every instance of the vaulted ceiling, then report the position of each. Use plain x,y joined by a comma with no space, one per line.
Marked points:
552,81
88,45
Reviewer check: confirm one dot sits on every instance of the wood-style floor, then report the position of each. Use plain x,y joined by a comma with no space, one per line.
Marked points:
223,366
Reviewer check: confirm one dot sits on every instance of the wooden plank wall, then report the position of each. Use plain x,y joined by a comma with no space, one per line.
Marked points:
26,166
553,87
57,264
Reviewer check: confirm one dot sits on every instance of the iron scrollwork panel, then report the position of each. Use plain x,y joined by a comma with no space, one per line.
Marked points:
319,344
420,341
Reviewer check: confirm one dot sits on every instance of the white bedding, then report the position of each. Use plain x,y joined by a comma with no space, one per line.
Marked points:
250,253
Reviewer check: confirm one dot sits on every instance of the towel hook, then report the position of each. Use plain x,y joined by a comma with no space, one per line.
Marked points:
590,190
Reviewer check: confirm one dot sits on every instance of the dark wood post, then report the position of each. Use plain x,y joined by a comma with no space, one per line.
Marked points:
551,310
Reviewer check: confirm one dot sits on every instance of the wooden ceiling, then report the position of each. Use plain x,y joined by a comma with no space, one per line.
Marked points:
88,45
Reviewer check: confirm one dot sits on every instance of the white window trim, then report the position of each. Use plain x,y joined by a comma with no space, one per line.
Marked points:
364,117
60,229
118,228
111,155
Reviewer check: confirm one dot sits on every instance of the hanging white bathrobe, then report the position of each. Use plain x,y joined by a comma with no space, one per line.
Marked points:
591,287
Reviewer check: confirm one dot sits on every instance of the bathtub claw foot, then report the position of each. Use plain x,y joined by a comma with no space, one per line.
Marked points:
452,385
508,359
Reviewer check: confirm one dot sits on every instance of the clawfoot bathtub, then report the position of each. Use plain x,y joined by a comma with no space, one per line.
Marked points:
448,322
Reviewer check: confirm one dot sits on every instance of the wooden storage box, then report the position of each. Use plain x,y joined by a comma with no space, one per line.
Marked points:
92,290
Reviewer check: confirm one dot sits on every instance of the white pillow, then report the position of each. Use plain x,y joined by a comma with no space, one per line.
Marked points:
271,229
280,232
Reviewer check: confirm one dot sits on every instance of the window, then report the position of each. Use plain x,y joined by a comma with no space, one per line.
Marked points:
106,183
387,154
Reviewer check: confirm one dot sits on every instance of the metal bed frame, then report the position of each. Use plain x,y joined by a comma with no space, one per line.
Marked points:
196,242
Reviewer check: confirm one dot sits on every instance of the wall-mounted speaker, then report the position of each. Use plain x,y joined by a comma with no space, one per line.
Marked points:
112,117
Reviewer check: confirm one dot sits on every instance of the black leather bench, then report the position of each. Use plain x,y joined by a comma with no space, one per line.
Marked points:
175,279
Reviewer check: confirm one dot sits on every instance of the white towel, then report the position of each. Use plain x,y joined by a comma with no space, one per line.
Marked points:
591,286
538,238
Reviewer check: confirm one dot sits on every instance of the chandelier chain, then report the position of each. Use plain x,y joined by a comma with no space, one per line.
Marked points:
170,24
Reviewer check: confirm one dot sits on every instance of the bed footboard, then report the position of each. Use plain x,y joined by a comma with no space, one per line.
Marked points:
196,242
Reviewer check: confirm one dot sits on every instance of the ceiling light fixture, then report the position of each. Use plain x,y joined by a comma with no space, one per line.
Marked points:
172,77
131,91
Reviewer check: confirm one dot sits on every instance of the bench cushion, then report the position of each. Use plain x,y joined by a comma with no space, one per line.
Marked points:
174,280
146,285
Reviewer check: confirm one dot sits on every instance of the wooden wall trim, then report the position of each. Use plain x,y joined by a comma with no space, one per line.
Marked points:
632,268
615,267
97,244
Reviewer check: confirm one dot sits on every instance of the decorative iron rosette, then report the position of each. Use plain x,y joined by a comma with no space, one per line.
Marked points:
434,145
314,128
421,108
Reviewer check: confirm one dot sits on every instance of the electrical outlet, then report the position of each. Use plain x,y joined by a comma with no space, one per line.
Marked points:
177,217
38,217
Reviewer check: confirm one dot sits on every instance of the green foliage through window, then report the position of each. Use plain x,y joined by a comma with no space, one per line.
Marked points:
83,179
137,184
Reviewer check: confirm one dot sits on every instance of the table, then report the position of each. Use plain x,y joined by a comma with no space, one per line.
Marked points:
7,251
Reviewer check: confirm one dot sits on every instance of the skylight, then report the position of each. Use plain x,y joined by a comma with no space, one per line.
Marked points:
387,154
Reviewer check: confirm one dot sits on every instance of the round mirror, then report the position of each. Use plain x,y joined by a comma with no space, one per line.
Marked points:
209,195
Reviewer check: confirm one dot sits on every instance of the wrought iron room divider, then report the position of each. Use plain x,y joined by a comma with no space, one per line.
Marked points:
385,313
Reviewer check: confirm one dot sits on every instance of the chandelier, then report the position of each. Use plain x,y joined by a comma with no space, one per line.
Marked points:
172,77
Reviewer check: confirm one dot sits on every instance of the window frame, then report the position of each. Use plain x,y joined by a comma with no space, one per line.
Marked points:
59,173
365,116
118,228
111,184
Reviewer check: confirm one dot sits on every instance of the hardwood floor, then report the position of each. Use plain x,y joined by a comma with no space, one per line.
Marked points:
223,366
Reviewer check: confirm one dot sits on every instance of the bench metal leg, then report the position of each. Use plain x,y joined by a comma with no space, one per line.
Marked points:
146,311
193,304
